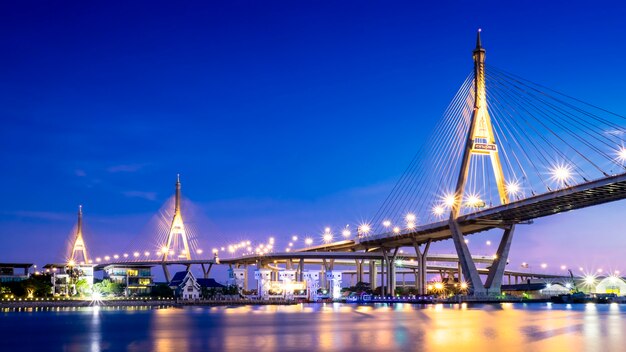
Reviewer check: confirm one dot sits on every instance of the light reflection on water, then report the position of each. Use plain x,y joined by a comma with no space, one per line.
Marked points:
345,327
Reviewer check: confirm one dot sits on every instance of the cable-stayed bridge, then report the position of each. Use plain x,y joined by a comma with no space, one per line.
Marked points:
506,151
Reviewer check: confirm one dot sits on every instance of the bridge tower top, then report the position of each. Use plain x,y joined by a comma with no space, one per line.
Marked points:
481,140
177,196
78,243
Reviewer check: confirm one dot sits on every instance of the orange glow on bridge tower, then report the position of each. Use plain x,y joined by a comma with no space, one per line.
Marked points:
177,230
78,242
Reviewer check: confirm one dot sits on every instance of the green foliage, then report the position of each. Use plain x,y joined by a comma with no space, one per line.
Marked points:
109,288
208,293
162,290
37,285
82,287
231,290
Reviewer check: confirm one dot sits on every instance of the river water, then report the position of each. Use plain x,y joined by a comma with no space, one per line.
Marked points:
319,327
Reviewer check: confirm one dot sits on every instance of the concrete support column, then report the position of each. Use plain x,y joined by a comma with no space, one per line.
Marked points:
465,259
166,272
323,281
383,272
373,274
359,270
496,272
206,272
245,278
301,270
422,265
391,272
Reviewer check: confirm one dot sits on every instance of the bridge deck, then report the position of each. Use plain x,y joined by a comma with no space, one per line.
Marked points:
575,197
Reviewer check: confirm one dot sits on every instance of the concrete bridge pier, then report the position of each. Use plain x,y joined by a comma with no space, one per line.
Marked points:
496,272
420,281
301,270
493,284
206,271
373,274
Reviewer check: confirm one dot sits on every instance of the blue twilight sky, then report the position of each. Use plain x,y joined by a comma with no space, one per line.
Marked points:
282,117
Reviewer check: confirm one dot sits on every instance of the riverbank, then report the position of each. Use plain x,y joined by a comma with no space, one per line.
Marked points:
134,302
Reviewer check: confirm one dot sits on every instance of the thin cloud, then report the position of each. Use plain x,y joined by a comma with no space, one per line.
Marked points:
125,168
80,173
139,194
40,215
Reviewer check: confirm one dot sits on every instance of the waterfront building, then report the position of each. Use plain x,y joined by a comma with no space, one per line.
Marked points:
186,286
285,284
611,284
65,276
334,278
312,279
10,272
263,279
137,279
237,277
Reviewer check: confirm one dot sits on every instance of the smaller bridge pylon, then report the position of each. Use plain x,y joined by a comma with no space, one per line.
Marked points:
78,242
177,236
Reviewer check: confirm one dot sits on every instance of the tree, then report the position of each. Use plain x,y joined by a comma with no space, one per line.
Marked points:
107,287
82,287
162,290
34,286
231,290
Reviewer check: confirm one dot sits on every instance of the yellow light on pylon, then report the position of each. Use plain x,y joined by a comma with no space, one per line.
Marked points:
410,217
328,237
396,229
308,241
386,223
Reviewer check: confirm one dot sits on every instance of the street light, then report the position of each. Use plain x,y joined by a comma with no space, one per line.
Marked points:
364,229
